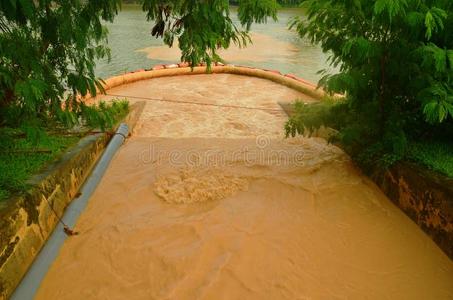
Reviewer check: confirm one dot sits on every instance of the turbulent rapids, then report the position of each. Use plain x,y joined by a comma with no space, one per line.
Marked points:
211,202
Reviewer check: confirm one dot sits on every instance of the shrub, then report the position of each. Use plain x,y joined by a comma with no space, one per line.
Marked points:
396,70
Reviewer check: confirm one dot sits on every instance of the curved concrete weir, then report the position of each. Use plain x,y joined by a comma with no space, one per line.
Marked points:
207,200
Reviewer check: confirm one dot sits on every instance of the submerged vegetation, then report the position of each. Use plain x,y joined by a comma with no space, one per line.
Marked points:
396,72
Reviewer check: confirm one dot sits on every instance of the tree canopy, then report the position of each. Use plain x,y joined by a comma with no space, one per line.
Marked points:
203,27
49,47
396,70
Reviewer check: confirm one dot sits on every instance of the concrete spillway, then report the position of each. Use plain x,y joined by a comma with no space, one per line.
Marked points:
207,200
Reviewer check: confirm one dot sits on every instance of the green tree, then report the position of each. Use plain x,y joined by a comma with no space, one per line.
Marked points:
48,47
396,70
203,27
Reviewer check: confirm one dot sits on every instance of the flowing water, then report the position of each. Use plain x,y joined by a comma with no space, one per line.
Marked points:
274,47
209,201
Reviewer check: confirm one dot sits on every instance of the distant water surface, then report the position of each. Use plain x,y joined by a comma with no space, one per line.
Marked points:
274,47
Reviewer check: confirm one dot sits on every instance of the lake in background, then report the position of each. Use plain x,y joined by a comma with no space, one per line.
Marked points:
275,47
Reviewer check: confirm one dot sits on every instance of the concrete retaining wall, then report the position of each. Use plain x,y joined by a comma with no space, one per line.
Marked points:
26,222
425,196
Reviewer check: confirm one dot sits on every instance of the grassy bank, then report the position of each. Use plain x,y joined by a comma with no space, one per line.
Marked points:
435,153
22,156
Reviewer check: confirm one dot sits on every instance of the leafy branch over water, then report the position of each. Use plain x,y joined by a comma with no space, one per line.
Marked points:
396,71
49,47
204,27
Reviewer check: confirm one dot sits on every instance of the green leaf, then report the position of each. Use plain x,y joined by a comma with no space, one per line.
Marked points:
391,7
434,21
450,58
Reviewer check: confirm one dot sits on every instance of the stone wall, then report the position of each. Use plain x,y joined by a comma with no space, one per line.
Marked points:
27,221
425,196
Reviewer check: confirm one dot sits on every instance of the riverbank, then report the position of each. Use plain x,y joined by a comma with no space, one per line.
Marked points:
39,183
218,205
23,155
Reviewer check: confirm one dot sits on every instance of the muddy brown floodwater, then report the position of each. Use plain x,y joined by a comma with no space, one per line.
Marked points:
257,51
209,202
